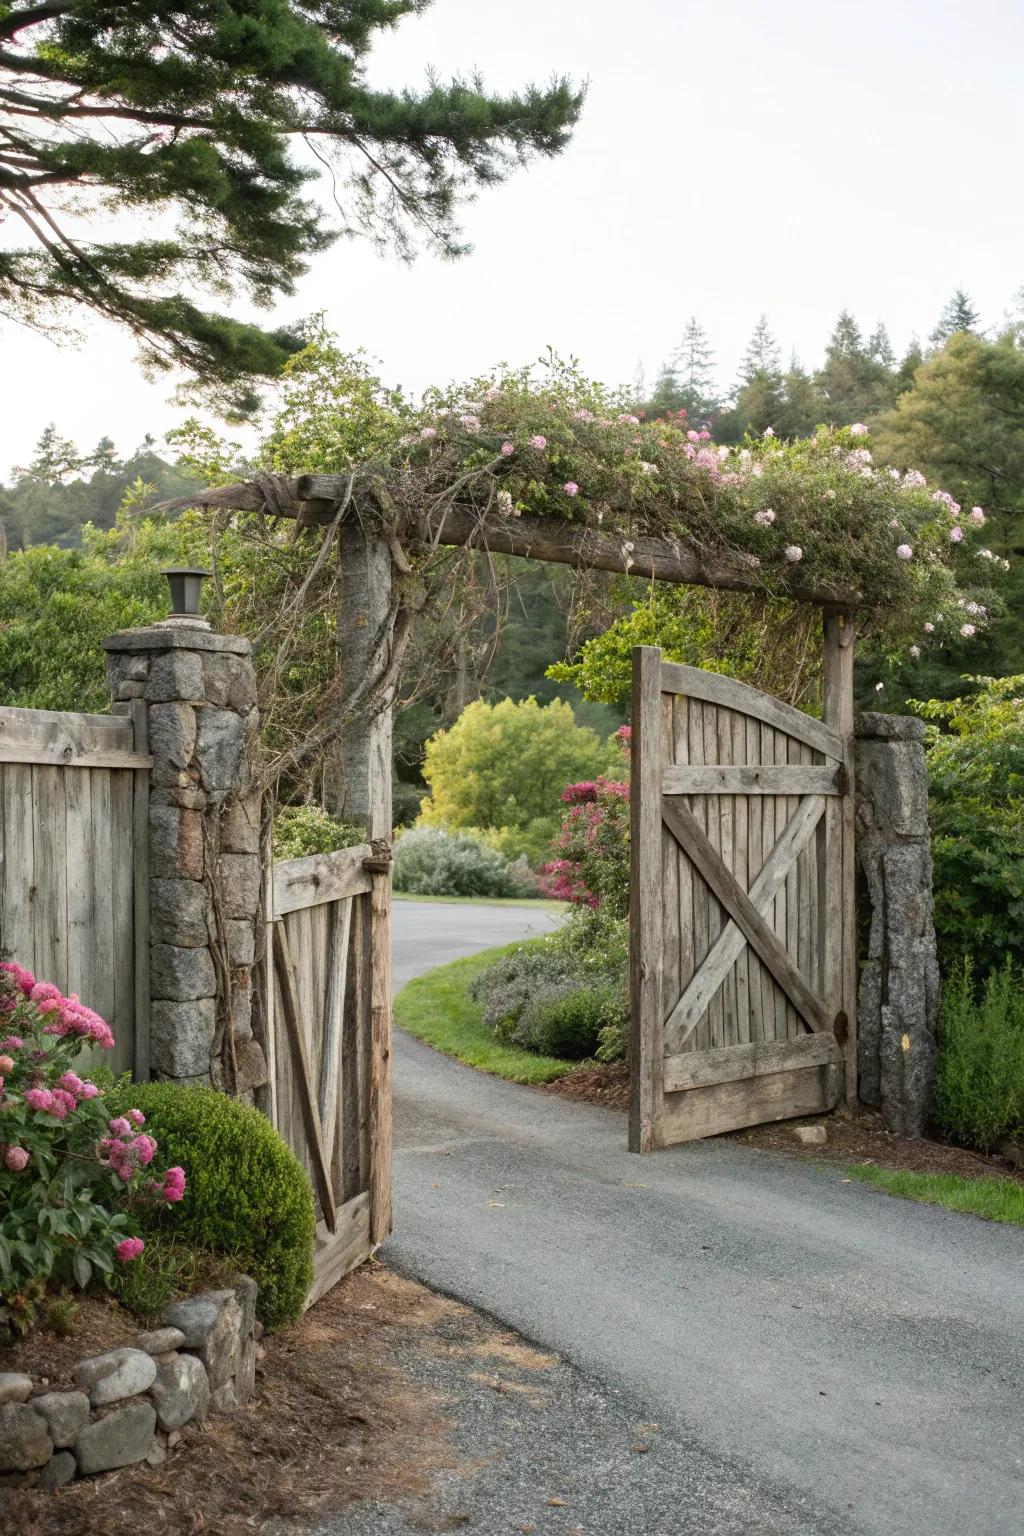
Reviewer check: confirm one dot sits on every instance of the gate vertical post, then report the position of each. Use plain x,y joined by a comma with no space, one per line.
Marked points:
645,903
838,714
366,615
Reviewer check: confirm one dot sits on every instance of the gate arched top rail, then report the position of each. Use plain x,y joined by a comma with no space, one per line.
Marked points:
715,688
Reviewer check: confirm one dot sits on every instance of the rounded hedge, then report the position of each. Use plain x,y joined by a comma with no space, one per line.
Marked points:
247,1196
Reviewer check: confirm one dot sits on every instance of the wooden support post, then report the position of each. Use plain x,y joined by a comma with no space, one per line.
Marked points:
645,907
841,963
141,1067
380,1056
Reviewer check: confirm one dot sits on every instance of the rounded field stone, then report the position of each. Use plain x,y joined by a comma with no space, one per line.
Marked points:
181,1392
121,1439
24,1439
14,1387
65,1413
59,1471
116,1374
160,1340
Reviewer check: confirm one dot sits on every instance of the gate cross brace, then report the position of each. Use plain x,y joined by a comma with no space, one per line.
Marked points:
741,909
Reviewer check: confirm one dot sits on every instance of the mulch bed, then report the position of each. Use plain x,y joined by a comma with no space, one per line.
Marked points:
99,1324
334,1420
851,1139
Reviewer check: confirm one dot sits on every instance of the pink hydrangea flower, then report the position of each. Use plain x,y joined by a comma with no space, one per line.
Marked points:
129,1248
12,1043
904,552
174,1185
692,436
136,1117
68,1100
72,1083
538,442
765,517
571,488
144,1148
40,1099
16,1159
119,1126
793,553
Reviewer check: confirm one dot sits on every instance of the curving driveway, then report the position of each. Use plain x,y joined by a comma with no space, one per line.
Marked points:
816,1357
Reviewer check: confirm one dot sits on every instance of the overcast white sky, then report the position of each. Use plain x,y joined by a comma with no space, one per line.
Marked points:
733,157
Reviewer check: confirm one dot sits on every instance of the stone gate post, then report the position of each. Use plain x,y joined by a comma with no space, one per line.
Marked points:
898,996
199,692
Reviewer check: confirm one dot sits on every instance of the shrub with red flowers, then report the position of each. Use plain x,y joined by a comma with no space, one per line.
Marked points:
71,1178
592,866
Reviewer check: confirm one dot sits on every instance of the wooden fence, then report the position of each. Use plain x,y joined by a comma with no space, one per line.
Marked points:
327,991
74,897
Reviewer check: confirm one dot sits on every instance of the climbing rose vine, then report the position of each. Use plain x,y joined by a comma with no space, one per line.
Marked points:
71,1178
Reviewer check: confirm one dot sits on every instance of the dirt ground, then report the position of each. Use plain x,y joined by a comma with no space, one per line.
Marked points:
334,1421
858,1139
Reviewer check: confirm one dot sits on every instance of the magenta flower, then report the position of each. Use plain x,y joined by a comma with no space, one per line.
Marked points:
144,1148
72,1083
119,1127
12,1043
16,1159
904,552
571,488
40,1099
538,442
89,1090
136,1117
174,1185
23,979
129,1248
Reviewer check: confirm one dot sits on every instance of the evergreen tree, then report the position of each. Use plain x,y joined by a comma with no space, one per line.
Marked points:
192,110
912,360
695,364
803,406
958,315
760,391
667,396
854,384
762,355
880,348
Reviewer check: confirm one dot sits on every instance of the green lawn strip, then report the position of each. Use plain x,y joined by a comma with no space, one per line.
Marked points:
992,1198
437,1008
535,903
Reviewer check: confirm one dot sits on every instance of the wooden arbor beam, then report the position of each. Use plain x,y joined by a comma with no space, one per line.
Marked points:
314,500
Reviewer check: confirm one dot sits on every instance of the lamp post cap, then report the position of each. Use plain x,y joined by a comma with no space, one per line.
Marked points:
185,570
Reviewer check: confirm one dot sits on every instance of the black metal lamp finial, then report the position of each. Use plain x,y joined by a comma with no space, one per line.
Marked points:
185,582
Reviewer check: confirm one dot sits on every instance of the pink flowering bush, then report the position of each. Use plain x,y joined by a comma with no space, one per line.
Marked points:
72,1178
592,864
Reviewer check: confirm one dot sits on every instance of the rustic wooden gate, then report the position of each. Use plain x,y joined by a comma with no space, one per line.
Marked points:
328,1001
742,905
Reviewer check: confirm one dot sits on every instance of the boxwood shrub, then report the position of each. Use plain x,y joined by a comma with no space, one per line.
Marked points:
247,1197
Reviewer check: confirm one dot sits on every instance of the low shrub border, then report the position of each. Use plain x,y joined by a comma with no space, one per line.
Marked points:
438,1009
130,1403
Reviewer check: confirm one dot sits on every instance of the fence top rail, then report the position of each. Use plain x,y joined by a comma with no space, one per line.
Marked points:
319,878
716,688
69,740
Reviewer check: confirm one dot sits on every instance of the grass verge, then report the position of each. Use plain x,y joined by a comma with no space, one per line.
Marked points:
992,1198
538,903
438,1009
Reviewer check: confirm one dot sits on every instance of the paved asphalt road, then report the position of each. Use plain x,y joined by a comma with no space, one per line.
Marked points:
850,1362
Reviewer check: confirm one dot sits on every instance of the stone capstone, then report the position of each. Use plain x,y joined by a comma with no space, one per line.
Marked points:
179,974
181,1037
118,1373
181,1392
14,1387
24,1438
159,1340
65,1413
58,1472
177,912
119,1440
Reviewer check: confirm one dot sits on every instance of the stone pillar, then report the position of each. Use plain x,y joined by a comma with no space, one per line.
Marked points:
898,997
199,690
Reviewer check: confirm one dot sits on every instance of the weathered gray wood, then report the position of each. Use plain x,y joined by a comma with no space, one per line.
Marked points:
738,903
741,870
64,730
293,1021
730,944
339,1250
319,878
838,711
755,1101
50,908
716,917
645,907
673,866
757,1059
330,1085
754,779
380,1058
365,620
713,688
684,876
122,828
60,757
19,871
701,894
726,830
755,862
102,998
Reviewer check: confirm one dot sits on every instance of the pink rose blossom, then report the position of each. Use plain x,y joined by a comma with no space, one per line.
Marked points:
174,1185
967,630
571,488
40,1099
16,1159
508,448
859,429
144,1148
929,629
765,518
904,552
977,517
136,1117
793,553
956,534
538,442
129,1248
428,432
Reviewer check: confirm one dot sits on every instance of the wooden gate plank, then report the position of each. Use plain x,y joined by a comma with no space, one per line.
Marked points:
297,1036
380,1058
838,712
753,779
715,688
753,1101
645,907
759,1059
329,1087
738,904
688,1010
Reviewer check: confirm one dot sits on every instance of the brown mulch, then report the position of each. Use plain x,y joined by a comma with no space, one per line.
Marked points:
98,1324
333,1420
858,1139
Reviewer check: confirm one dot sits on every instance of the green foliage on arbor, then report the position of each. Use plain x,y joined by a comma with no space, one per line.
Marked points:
247,1198
504,766
976,778
222,114
300,830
